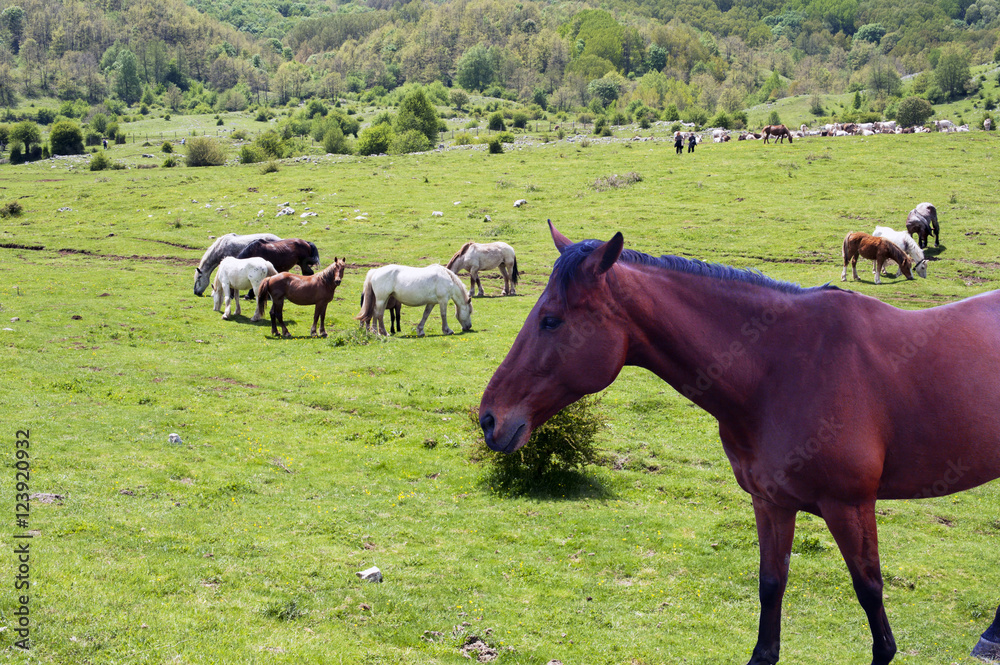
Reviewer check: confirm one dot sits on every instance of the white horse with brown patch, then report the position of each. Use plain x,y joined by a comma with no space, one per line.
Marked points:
235,275
903,240
476,256
430,286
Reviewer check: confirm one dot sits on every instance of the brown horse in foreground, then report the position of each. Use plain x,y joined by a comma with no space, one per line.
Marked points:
309,290
816,412
776,132
879,250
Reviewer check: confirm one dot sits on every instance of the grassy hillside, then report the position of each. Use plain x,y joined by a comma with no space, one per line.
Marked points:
306,460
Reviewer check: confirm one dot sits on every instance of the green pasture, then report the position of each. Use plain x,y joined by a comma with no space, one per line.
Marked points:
306,460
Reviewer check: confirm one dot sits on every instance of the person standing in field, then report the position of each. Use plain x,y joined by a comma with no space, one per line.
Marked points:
692,140
679,142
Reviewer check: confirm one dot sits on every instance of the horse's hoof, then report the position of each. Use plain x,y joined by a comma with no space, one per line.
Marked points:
987,651
225,317
323,334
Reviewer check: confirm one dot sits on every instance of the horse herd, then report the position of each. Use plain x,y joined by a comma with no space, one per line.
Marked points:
259,263
885,244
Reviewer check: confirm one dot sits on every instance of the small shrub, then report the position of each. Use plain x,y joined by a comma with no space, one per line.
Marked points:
167,147
239,135
11,209
412,140
495,146
565,442
171,161
465,138
269,167
167,117
219,122
520,120
251,154
205,151
495,122
616,181
100,162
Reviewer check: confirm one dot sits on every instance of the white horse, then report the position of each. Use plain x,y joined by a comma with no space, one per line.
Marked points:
903,240
433,285
476,256
227,245
236,274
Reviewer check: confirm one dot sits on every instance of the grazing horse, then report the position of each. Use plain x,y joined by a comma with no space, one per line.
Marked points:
476,256
879,250
235,275
284,254
433,285
227,245
923,221
315,289
776,131
816,412
907,244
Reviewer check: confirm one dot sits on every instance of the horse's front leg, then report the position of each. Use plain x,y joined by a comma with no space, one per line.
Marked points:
856,533
775,532
423,320
988,647
236,299
319,313
229,302
876,269
444,315
854,267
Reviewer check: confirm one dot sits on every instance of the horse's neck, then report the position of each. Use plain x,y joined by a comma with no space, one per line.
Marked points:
213,255
702,335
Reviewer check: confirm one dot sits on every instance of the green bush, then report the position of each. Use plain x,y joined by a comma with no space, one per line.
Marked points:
171,161
495,122
375,140
269,167
505,137
251,154
565,442
239,135
11,209
520,120
411,140
334,141
270,144
100,162
496,146
465,138
205,151
167,147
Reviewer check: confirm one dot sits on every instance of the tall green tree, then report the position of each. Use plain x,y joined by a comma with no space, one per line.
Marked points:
416,112
913,111
65,138
476,69
12,19
952,73
27,133
128,85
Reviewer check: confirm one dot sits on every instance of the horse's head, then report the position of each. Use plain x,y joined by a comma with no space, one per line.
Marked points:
200,281
920,267
463,311
573,343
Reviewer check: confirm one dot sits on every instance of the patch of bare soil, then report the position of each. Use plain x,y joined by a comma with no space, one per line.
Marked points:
134,257
476,648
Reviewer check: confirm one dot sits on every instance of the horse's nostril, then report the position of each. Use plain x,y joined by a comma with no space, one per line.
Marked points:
487,422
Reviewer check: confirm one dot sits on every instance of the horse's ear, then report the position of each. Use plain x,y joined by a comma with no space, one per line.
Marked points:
561,241
605,256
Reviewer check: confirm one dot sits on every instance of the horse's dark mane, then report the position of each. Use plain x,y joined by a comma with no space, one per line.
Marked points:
571,258
459,253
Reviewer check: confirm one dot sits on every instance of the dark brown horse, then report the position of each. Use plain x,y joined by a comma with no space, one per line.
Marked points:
309,290
878,250
816,412
284,255
776,131
923,221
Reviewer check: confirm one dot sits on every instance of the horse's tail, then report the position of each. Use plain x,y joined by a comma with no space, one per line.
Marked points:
315,254
514,273
367,312
263,291
271,270
847,246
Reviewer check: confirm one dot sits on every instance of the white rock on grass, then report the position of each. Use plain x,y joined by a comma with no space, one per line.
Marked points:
174,438
520,202
372,574
437,213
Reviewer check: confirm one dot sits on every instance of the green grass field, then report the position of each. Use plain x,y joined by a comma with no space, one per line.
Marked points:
306,460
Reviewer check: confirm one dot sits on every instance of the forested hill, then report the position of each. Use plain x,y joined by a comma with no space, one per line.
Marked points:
689,53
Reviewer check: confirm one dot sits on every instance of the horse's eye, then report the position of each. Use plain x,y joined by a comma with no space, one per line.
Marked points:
550,323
